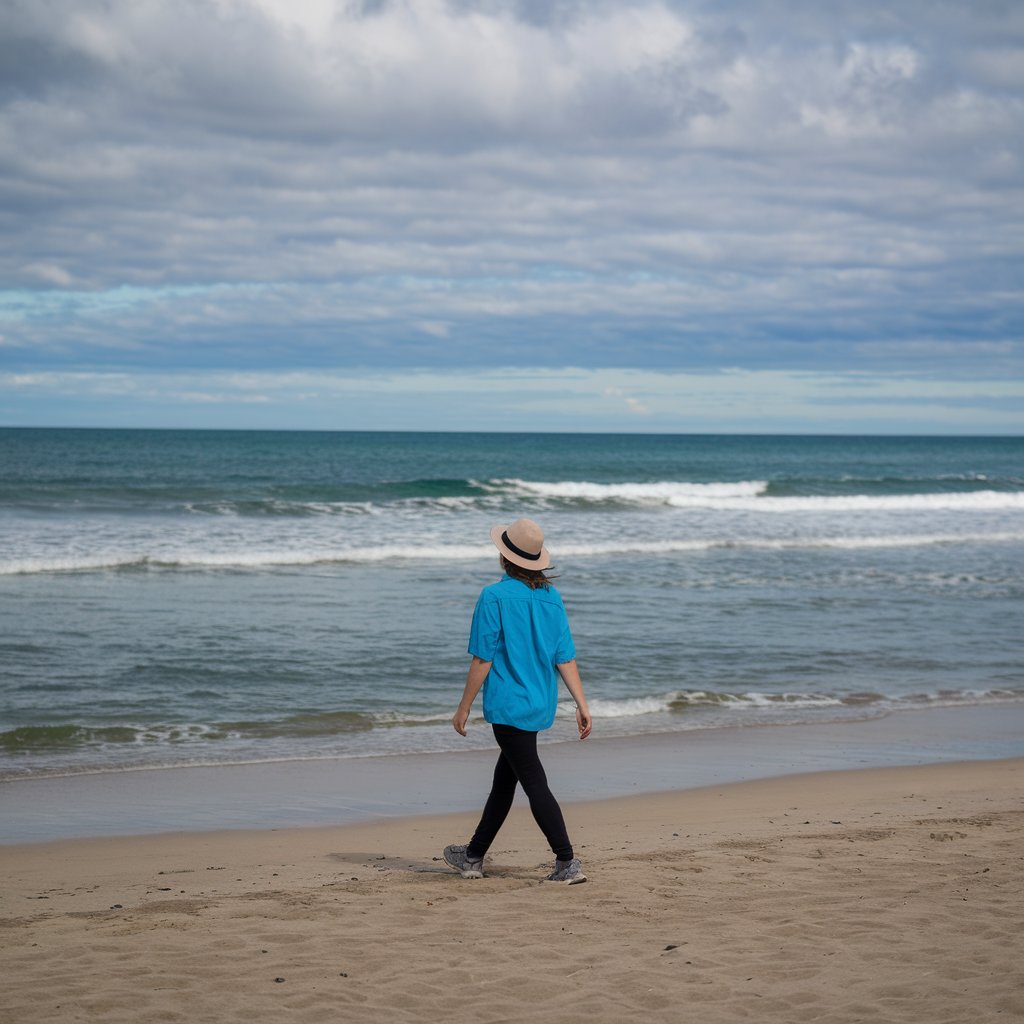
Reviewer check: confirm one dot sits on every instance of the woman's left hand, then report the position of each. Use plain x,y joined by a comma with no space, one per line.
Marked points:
583,721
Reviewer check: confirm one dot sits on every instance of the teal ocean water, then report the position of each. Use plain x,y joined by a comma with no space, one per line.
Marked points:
192,597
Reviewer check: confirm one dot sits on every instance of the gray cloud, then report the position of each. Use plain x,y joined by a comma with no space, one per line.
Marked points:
234,184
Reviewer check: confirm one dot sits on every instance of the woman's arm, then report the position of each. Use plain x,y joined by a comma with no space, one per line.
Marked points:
571,677
478,669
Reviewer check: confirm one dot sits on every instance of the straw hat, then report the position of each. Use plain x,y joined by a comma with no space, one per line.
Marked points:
522,543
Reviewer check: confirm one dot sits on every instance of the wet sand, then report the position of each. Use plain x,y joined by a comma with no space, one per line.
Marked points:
340,791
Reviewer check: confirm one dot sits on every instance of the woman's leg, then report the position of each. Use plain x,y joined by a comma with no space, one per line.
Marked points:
519,751
499,802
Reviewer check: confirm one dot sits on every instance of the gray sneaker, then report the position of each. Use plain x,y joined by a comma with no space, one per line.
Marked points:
568,871
455,856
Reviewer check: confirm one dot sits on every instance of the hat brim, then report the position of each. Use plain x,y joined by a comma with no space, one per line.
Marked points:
526,563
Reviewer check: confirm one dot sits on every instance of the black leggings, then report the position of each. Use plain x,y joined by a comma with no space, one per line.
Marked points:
518,762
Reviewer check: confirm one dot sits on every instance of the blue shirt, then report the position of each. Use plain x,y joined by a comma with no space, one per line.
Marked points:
524,633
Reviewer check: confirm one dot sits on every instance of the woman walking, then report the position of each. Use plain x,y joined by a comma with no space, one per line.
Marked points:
521,645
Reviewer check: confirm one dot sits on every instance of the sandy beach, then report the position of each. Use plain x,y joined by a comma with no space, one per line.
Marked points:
871,895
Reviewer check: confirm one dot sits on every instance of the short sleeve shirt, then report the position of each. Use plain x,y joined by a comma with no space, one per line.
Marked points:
524,633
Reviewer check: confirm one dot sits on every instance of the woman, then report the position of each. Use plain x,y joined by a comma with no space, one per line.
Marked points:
521,644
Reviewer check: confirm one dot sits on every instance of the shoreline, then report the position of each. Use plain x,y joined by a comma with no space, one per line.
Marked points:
842,896
287,794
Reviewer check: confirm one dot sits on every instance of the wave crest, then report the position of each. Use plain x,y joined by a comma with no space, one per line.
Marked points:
757,496
694,701
383,553
664,492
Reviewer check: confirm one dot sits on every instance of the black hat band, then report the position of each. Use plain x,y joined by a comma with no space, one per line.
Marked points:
519,551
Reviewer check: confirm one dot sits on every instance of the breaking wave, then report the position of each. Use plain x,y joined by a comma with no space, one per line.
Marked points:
758,496
327,724
383,553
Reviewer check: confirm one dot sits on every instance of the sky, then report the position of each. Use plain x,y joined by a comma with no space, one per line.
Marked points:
741,215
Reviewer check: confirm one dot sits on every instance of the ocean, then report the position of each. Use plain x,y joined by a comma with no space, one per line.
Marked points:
179,597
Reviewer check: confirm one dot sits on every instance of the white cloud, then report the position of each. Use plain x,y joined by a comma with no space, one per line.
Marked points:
673,185
638,407
434,328
49,273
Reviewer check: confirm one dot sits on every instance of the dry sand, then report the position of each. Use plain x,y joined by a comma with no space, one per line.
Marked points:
878,895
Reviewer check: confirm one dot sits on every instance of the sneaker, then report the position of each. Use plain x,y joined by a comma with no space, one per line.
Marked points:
568,871
455,856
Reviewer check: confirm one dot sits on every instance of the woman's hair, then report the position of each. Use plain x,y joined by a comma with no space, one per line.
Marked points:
535,579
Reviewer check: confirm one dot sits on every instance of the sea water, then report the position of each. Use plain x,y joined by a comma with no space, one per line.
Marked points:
207,597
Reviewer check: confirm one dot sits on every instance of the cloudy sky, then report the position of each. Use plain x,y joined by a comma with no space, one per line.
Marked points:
751,215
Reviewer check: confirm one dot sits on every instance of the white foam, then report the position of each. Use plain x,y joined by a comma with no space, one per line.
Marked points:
972,501
789,700
753,701
633,707
628,708
660,492
742,496
668,547
256,559
750,496
69,563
